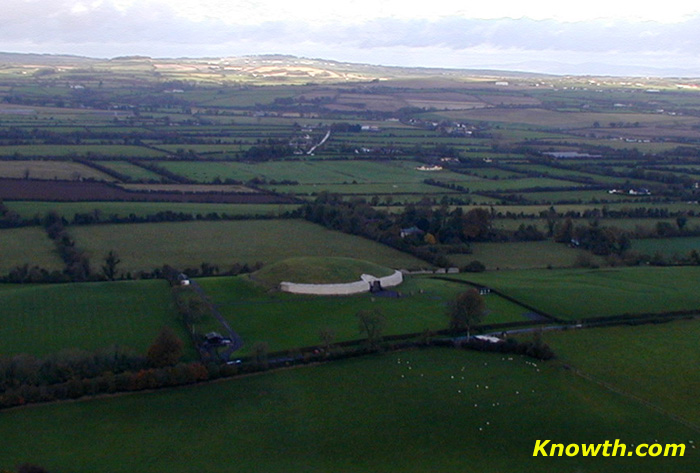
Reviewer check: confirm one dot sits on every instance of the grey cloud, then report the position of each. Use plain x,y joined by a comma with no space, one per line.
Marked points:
156,29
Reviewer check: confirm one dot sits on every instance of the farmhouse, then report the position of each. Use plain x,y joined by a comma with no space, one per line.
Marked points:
640,191
411,231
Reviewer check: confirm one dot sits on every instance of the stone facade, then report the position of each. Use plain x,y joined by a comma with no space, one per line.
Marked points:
344,289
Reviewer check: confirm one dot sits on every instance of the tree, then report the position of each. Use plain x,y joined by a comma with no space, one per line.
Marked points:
327,336
372,324
466,310
681,221
563,232
109,269
260,352
476,224
166,349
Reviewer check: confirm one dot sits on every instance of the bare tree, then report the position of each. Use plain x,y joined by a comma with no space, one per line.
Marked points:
372,324
109,269
327,336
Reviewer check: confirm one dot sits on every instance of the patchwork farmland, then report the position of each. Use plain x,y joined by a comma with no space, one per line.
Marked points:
549,241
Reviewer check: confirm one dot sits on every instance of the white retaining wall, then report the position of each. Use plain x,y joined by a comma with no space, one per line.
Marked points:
344,289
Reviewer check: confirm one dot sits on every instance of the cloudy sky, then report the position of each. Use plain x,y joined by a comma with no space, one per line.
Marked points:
596,36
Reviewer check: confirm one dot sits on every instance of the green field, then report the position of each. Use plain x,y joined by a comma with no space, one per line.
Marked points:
667,246
520,255
39,169
215,124
297,320
580,293
44,319
563,208
419,189
653,362
412,411
136,173
28,245
188,244
79,150
324,270
29,209
313,171
581,196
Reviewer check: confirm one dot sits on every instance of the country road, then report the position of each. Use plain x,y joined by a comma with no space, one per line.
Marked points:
320,143
236,340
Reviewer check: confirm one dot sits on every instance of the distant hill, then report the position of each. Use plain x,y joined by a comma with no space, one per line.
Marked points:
276,69
272,67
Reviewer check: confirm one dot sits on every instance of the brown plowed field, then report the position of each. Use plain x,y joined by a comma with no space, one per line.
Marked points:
72,191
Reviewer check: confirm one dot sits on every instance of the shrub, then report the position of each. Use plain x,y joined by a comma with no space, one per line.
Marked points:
474,267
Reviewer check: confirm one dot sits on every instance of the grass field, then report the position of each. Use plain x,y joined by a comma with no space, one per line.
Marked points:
188,244
561,120
667,246
297,320
520,255
44,319
313,171
654,362
135,172
29,209
79,150
37,169
413,411
563,208
189,188
580,293
418,189
580,196
324,270
29,245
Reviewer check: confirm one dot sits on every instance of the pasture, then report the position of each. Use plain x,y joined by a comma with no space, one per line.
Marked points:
43,319
325,270
85,151
549,119
286,321
653,362
136,173
189,188
417,189
574,294
39,169
667,247
313,171
416,411
29,209
28,245
188,244
521,255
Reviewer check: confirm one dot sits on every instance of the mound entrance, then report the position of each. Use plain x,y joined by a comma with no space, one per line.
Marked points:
326,276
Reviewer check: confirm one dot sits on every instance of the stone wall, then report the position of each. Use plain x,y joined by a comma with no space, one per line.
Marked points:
344,289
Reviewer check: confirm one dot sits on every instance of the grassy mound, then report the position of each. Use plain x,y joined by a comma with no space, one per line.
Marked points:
317,270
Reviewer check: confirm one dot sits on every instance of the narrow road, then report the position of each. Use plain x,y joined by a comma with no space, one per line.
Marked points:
236,340
320,143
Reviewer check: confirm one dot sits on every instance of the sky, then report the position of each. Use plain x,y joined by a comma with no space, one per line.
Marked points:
592,37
